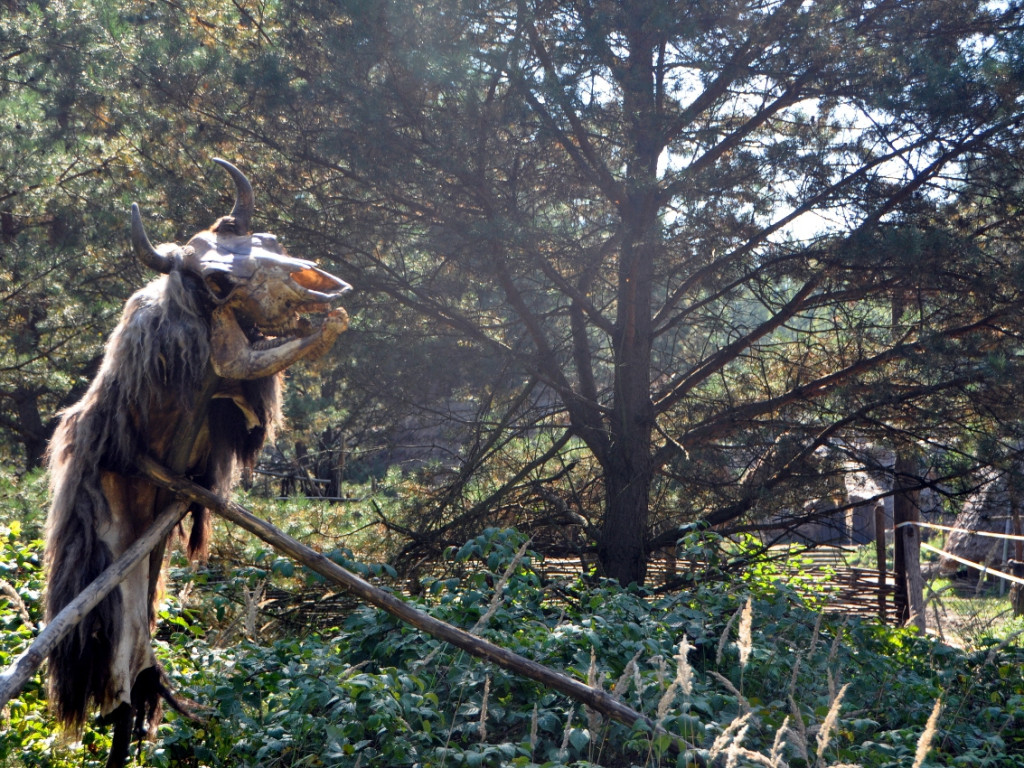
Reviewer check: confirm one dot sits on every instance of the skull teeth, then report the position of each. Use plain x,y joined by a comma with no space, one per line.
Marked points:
271,343
269,338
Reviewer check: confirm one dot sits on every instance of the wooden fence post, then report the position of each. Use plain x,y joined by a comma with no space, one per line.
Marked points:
880,557
909,596
1017,566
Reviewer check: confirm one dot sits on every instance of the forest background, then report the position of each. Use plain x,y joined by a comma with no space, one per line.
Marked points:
623,271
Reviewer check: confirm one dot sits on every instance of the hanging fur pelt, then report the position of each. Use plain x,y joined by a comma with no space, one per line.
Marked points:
228,310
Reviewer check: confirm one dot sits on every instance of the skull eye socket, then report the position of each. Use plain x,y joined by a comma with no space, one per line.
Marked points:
220,284
315,280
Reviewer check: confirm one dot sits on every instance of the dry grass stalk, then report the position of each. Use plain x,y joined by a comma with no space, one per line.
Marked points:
775,757
735,752
684,672
745,643
533,730
825,733
724,639
483,710
925,742
253,598
833,654
744,705
496,600
595,679
833,651
19,605
796,671
666,700
499,589
800,732
815,632
661,671
683,680
629,672
564,749
738,727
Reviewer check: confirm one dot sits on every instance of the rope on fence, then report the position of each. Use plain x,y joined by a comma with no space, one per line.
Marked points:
983,568
936,526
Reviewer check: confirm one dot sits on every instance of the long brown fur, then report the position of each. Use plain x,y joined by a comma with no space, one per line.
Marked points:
152,369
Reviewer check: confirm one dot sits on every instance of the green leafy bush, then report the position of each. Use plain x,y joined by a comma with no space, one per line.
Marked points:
759,680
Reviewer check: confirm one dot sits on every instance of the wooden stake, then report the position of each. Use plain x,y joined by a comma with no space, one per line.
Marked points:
880,557
909,597
594,698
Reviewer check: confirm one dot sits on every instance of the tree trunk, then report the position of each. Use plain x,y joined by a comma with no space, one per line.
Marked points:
32,433
628,466
622,549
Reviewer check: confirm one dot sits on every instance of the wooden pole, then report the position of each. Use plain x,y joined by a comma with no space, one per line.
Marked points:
879,513
909,597
594,698
1017,566
906,565
17,674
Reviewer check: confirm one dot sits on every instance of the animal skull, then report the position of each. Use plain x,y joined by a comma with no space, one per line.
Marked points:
260,293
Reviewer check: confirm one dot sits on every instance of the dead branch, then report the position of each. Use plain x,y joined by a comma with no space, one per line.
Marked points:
594,698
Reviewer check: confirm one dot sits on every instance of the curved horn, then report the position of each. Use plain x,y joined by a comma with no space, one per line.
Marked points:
147,254
245,202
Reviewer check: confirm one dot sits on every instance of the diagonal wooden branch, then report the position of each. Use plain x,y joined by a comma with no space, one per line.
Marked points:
17,674
14,678
594,698
682,385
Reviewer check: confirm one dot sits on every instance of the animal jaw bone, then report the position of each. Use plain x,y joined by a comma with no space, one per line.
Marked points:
235,357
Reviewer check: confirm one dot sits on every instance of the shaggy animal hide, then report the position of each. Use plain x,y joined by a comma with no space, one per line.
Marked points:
152,370
206,321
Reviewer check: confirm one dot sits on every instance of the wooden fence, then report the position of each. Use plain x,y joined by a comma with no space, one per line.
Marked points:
825,574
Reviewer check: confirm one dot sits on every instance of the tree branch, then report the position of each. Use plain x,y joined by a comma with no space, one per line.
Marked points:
728,421
682,385
595,698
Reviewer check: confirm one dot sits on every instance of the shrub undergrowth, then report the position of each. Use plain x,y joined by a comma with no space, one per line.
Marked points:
740,669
